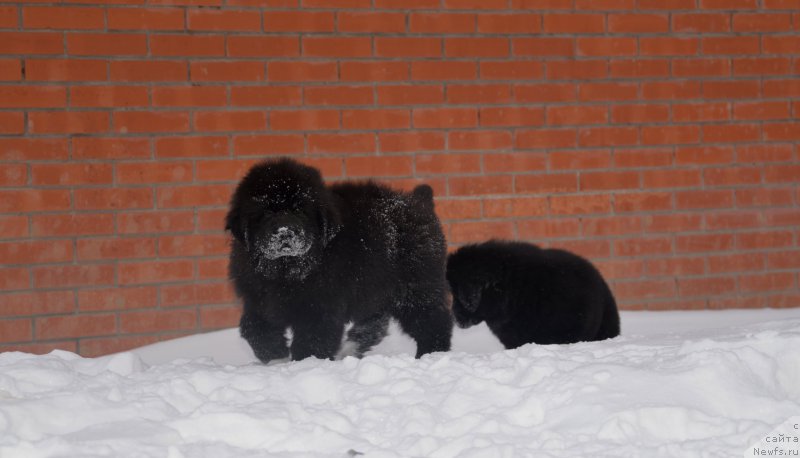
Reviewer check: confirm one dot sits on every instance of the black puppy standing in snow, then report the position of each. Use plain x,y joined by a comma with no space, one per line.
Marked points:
312,258
527,294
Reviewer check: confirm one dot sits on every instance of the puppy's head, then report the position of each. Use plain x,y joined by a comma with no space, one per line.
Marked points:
282,216
474,287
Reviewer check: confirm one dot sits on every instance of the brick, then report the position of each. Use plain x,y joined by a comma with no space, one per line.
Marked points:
730,89
615,225
761,110
298,21
668,46
576,115
100,44
670,90
376,119
607,46
36,252
730,133
65,70
583,204
37,303
411,141
338,95
515,207
511,116
68,122
12,123
426,118
538,229
696,200
478,94
154,222
546,138
643,202
731,45
10,70
193,294
608,136
699,112
110,148
441,23
31,43
764,240
373,71
219,20
449,210
764,153
140,18
579,160
219,317
701,243
227,71
146,71
780,45
143,121
438,164
579,69
477,47
443,70
9,17
643,246
153,172
410,95
639,114
340,47
143,272
12,227
542,4
71,174
473,231
783,260
480,185
33,200
263,46
14,278
762,22
304,120
732,220
777,281
193,245
550,183
574,23
115,248
639,68
64,18
68,276
203,146
192,196
302,71
638,23
476,4
728,4
479,141
221,170
371,22
112,198
72,225
108,96
596,92
519,162
341,143
59,327
229,121
787,131
407,4
158,320
503,70
336,3
642,157
544,47
32,97
671,223
701,22
606,181
379,166
701,67
248,145
781,88
518,23
664,135
187,45
540,93
762,66
671,178
732,176
729,263
253,96
763,197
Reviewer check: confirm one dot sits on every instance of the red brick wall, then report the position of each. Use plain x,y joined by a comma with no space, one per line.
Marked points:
657,137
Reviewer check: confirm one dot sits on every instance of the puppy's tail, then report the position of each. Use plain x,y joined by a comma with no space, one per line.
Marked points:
423,194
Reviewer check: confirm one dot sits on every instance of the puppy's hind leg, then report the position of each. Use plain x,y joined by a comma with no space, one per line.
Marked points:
426,318
364,335
267,340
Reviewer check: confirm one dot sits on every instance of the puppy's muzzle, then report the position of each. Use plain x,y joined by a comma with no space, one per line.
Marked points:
286,241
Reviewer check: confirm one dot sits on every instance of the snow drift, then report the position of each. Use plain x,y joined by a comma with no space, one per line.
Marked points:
701,385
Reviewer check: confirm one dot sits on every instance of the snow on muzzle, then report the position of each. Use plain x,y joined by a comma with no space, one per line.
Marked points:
285,241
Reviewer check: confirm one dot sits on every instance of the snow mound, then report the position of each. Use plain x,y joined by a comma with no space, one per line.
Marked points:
691,393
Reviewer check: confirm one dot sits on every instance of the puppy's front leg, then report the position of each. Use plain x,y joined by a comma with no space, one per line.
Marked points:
320,339
267,340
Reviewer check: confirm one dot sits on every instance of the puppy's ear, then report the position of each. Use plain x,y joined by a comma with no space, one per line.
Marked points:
234,224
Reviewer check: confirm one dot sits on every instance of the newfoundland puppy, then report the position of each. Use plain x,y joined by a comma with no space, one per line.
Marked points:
527,294
312,258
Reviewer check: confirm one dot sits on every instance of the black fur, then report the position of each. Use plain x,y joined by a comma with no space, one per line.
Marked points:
312,258
527,294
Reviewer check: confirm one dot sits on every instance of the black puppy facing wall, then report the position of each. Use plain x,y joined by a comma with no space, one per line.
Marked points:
312,257
527,294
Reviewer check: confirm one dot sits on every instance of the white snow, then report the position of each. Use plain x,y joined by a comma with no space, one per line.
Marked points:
685,384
